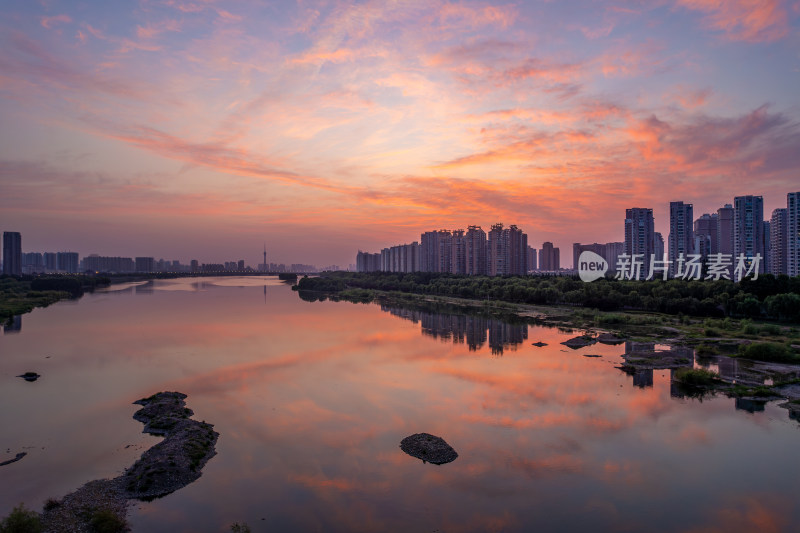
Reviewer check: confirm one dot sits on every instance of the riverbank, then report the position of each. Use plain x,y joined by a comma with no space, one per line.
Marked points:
20,295
173,463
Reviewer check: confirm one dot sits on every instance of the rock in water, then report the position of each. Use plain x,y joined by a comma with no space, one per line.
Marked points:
579,342
429,448
609,338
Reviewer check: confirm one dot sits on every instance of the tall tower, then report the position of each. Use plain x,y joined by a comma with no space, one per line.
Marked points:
793,233
778,242
681,233
640,235
12,253
748,227
265,257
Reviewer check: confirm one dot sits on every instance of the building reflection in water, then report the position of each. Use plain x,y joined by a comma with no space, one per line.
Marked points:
474,331
13,324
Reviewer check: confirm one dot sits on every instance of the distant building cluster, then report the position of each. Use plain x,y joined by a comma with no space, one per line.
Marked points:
501,251
734,230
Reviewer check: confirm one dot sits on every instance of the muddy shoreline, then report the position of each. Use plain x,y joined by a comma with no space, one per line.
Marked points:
166,467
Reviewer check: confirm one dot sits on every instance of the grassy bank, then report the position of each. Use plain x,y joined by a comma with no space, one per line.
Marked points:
20,295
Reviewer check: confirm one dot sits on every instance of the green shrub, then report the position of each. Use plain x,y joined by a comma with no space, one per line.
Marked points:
236,527
769,351
695,376
21,520
770,329
707,349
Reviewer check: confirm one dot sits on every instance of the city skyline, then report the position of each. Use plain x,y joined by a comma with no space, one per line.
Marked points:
168,129
730,230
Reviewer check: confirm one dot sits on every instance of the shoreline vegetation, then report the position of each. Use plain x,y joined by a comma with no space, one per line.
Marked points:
20,295
754,322
101,505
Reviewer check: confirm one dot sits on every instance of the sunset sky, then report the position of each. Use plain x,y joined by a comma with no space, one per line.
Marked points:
202,130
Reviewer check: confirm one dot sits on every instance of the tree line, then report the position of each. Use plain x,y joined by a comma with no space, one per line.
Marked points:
768,297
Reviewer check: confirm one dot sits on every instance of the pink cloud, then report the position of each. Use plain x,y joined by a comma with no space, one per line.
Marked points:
50,22
744,20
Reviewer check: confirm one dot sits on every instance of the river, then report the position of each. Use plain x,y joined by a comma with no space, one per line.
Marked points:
312,399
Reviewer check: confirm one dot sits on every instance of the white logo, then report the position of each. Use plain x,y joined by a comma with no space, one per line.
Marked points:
591,266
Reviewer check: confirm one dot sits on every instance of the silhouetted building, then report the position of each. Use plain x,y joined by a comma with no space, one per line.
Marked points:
681,233
32,263
705,235
97,263
67,262
50,261
12,253
475,248
365,262
549,258
748,227
793,233
458,253
609,251
148,264
436,251
533,262
778,250
725,232
640,238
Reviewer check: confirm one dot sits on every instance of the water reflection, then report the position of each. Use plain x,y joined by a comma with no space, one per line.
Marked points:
474,331
13,324
312,399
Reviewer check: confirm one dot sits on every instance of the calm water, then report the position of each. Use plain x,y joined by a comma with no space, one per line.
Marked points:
313,398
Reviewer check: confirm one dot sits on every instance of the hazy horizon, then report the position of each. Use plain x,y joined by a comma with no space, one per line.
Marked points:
201,130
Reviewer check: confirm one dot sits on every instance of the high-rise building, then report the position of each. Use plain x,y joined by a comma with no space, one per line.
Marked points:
458,253
640,236
748,227
498,251
50,261
12,253
778,253
793,233
532,259
681,233
67,262
148,264
767,240
612,253
725,229
475,251
658,239
97,263
578,249
507,253
549,258
435,251
705,235
32,263
517,251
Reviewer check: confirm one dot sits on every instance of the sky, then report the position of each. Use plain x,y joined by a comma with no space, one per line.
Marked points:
195,129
